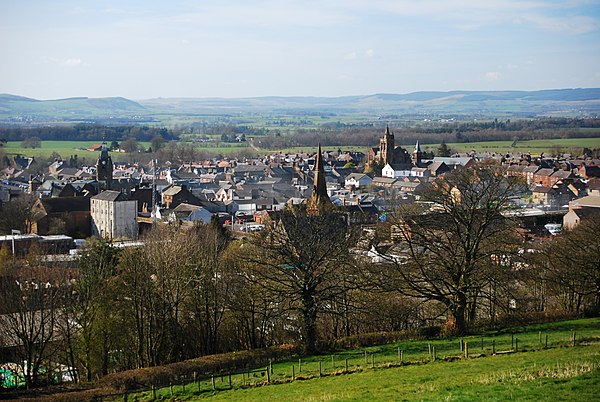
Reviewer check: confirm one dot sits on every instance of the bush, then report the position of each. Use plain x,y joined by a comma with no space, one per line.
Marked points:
202,366
375,338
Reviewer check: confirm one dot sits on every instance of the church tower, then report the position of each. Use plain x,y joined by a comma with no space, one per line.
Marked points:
386,147
104,168
319,199
417,155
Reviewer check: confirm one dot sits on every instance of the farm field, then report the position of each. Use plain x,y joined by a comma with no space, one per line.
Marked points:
531,371
535,147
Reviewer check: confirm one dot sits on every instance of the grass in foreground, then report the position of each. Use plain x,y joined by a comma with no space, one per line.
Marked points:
559,372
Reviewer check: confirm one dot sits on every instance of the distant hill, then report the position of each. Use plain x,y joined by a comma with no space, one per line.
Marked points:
17,108
558,101
555,102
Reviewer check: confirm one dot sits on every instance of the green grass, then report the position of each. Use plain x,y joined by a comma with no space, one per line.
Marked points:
535,373
535,147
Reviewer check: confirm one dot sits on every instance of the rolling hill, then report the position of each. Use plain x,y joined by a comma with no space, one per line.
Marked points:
16,109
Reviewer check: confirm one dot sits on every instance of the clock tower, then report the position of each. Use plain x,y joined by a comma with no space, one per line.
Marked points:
104,168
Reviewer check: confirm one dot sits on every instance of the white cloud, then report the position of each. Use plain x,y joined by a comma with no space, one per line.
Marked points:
369,53
512,67
72,62
491,76
350,56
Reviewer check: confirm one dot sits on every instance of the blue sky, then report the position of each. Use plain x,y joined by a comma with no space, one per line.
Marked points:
147,49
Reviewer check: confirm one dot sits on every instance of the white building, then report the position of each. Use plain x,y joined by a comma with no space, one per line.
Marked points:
114,215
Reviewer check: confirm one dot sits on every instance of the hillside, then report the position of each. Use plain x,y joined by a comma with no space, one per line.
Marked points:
20,110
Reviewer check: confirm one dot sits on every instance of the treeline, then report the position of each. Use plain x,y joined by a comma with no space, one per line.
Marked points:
369,136
86,132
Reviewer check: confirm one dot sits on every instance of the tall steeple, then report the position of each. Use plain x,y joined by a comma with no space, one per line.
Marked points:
386,146
104,168
417,154
319,198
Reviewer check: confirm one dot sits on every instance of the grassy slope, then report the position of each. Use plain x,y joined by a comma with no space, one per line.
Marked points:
520,376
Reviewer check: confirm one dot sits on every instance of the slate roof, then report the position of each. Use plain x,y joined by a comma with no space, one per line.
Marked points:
110,195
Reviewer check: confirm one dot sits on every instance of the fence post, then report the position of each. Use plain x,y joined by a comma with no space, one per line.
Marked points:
271,366
373,360
183,385
366,361
399,353
125,397
494,347
153,392
482,343
467,349
229,380
332,362
546,341
346,365
516,344
268,375
512,341
293,372
212,377
461,344
299,365
574,338
540,336
401,357
243,378
320,369
429,346
171,388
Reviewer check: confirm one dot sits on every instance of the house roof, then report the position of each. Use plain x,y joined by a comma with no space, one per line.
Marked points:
110,195
592,201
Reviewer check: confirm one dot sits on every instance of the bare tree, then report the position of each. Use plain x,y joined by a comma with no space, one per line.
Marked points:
572,262
453,252
306,261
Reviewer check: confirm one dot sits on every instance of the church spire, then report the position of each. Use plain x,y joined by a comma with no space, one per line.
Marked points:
319,196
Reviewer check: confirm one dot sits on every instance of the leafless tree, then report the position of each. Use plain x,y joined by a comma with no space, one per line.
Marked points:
454,247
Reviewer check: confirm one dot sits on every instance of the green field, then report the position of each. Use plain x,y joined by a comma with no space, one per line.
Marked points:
534,147
523,369
67,148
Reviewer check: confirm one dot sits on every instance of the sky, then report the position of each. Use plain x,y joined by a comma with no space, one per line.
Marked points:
244,48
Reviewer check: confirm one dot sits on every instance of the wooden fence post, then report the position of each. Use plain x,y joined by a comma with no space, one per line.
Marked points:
229,380
171,388
212,377
482,343
516,344
293,373
183,385
299,365
574,336
433,353
467,349
332,362
271,365
346,365
429,346
494,347
401,357
268,375
320,371
373,360
512,341
366,361
546,341
153,392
